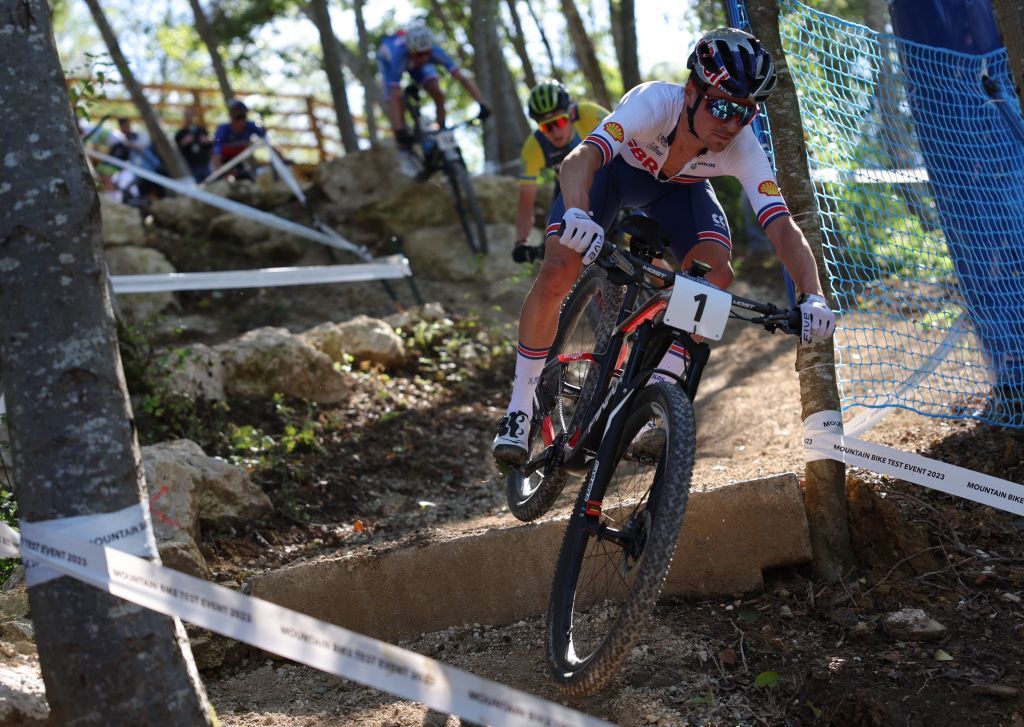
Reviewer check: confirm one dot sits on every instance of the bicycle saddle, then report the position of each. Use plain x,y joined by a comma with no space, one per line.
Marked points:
645,236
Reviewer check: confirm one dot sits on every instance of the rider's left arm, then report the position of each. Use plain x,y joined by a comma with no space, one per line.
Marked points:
794,252
469,85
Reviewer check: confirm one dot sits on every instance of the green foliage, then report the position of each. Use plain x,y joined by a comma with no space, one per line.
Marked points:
87,88
767,680
8,505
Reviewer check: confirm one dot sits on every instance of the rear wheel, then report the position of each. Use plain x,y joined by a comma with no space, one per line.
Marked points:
614,560
468,206
586,323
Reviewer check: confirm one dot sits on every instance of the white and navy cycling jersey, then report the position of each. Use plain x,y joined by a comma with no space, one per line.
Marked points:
640,131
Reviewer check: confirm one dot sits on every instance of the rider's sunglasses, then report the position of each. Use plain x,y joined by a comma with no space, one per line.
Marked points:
725,110
559,122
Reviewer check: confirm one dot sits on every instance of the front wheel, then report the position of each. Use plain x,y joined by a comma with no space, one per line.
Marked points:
468,207
618,545
585,324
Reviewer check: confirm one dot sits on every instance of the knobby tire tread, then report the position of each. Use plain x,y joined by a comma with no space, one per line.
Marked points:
595,671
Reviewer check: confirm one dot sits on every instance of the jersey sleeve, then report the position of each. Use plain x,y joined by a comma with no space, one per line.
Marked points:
753,170
437,55
639,111
218,138
531,161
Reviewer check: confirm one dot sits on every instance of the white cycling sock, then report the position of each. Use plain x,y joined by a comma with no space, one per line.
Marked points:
529,367
675,360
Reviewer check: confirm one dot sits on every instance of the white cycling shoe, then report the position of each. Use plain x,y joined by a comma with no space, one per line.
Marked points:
511,444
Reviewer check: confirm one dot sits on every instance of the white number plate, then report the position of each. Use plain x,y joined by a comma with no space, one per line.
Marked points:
698,307
446,140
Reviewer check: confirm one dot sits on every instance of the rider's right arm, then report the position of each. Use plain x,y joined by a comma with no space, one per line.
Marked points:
645,112
577,174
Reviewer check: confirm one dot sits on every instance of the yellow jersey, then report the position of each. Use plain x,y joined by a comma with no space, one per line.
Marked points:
538,153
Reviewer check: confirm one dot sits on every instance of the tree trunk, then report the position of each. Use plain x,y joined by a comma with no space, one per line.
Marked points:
623,19
555,70
364,54
73,444
1010,17
168,152
586,56
825,480
209,39
515,36
503,139
318,12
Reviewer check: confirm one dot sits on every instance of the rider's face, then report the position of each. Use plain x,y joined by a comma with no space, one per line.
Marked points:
715,133
419,58
559,129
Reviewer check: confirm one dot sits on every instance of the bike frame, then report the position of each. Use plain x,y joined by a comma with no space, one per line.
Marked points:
605,417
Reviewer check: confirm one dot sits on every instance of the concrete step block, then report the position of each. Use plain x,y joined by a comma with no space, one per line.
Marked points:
730,535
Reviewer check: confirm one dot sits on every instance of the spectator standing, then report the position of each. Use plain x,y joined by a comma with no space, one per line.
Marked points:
195,144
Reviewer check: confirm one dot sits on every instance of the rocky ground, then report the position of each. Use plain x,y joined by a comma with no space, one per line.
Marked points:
407,454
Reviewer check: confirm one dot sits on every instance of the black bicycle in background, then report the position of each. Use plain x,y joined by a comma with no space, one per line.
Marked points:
598,415
437,151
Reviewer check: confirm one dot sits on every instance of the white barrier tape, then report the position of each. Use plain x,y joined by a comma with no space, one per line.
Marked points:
284,172
822,439
386,268
293,635
227,167
190,190
130,530
866,420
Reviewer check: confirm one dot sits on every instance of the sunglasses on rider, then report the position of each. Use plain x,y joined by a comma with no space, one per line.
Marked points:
550,125
725,110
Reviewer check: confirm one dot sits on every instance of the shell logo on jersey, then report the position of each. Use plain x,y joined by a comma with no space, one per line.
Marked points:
769,189
641,156
615,131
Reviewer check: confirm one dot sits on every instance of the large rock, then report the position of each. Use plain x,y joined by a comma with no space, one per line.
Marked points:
363,338
22,692
189,489
442,253
132,260
360,179
194,371
498,196
122,224
182,214
266,361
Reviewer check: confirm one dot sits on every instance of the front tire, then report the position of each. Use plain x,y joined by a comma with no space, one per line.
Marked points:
468,206
605,588
586,323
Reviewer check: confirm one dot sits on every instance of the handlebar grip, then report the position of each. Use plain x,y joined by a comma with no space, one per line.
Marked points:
795,320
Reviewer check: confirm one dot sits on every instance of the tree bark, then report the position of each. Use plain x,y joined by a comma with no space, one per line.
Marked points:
209,39
1010,18
555,70
364,54
515,36
825,480
104,661
623,19
586,56
168,152
503,139
319,13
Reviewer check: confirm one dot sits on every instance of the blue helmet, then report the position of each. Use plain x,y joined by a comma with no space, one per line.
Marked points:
734,62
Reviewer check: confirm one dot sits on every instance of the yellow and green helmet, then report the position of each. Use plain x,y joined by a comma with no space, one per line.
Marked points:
547,98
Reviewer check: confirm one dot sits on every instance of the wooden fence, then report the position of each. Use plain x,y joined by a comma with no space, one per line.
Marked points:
302,126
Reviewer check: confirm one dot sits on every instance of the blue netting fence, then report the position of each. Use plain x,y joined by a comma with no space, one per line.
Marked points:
917,155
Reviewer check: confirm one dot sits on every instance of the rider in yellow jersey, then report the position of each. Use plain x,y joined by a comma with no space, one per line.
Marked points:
561,127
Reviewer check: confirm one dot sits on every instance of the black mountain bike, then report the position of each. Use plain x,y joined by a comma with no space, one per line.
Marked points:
438,151
596,414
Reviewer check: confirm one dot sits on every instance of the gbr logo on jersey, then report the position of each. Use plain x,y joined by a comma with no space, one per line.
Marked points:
646,160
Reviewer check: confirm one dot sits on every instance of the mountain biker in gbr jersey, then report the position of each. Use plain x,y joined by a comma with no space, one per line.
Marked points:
562,124
415,51
656,152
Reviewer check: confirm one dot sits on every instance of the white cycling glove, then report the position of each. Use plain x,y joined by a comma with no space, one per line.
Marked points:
582,234
817,321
